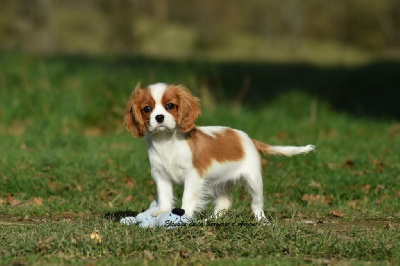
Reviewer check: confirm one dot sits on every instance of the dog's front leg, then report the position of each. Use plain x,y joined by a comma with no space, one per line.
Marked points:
165,195
193,193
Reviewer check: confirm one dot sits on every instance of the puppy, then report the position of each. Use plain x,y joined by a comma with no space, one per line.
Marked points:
206,160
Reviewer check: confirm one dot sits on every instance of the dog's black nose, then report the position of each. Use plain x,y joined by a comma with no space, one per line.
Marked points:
178,211
159,118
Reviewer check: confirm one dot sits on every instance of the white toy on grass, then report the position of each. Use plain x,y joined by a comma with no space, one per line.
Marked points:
169,220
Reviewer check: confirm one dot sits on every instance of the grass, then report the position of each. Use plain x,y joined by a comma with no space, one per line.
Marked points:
66,160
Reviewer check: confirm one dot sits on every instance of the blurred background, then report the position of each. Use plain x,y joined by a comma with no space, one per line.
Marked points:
345,52
349,31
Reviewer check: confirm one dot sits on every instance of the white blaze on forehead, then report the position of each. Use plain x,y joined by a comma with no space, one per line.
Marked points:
157,91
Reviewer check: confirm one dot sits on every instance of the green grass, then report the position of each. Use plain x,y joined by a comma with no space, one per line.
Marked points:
66,159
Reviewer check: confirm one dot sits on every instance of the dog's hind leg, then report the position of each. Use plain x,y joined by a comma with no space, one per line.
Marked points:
222,199
255,189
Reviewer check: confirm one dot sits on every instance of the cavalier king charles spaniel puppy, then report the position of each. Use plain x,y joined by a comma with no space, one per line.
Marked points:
206,160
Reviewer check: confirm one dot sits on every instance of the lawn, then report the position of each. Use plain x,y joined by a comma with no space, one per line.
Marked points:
66,160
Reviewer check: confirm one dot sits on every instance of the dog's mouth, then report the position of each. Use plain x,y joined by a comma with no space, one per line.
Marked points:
160,128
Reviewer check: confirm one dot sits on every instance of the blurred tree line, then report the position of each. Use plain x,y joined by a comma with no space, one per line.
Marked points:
178,27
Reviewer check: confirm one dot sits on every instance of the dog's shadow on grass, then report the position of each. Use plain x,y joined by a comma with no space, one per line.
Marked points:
118,215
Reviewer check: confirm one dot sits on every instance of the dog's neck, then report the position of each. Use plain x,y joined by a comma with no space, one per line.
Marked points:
163,137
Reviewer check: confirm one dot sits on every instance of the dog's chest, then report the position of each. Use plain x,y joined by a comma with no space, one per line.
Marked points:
170,158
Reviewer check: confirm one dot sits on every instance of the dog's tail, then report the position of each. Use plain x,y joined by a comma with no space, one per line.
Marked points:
282,150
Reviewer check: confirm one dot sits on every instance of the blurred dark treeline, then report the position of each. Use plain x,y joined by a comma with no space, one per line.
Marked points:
241,28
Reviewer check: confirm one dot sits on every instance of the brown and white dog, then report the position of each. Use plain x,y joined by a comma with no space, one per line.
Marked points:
206,160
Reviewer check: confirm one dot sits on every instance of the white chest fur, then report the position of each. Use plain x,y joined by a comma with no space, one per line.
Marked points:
169,156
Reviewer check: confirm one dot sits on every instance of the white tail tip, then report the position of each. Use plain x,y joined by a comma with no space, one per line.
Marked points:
291,150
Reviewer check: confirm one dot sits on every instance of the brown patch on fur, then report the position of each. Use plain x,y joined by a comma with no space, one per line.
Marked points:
188,108
224,147
171,96
262,147
136,119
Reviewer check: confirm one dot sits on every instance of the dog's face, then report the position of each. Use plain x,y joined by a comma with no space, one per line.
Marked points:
161,107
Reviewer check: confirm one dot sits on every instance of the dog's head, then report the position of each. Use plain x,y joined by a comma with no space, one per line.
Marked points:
161,107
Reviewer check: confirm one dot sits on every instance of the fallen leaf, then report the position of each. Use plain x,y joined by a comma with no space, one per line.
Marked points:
38,201
337,213
209,255
283,135
300,215
128,199
389,246
380,187
110,192
52,185
314,184
366,187
389,225
307,222
332,166
185,253
210,233
264,162
280,165
379,166
130,184
148,254
96,236
5,178
12,201
93,131
317,199
357,204
44,245
17,127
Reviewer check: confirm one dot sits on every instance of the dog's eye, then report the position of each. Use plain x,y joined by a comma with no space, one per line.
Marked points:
170,106
147,109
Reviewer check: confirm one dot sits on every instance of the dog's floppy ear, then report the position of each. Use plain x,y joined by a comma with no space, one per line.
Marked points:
188,109
133,118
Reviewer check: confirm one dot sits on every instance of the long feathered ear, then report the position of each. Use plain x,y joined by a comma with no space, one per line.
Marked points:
133,119
188,109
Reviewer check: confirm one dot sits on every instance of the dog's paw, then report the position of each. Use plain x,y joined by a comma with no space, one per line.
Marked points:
264,222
